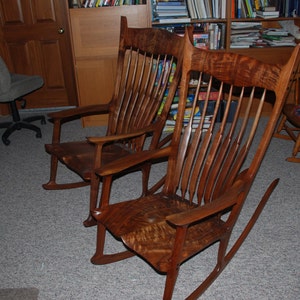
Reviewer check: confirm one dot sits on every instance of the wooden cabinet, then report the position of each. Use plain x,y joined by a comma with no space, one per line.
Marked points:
95,39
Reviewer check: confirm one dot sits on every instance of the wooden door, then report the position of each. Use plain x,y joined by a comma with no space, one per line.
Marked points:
35,39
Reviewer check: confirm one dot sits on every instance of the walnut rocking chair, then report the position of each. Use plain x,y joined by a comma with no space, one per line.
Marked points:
148,72
209,172
289,125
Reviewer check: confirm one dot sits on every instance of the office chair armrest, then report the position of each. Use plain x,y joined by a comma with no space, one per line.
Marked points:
133,160
222,203
78,112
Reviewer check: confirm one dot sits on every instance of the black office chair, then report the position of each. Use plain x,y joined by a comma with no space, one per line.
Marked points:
12,88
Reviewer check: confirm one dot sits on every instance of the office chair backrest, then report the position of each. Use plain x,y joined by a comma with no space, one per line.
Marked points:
5,80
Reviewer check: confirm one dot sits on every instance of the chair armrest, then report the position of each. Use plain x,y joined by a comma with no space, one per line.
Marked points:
78,112
220,204
118,137
133,160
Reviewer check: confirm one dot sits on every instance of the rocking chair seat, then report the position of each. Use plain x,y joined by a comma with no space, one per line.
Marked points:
79,156
155,242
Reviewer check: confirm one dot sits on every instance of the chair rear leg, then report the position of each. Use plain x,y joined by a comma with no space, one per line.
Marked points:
145,178
53,185
281,126
297,145
295,152
220,266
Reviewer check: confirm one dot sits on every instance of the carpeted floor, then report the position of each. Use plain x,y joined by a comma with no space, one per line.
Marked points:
46,250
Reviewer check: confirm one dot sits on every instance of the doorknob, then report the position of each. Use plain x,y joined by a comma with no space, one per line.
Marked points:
61,30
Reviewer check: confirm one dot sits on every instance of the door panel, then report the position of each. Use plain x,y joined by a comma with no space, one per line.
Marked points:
35,39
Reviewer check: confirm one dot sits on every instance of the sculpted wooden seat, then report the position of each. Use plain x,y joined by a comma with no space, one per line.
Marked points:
209,172
148,69
289,126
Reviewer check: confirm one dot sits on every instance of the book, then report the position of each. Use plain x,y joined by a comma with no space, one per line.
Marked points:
192,9
200,8
249,9
269,8
213,95
170,5
267,14
208,8
201,40
276,32
244,25
171,13
175,20
174,12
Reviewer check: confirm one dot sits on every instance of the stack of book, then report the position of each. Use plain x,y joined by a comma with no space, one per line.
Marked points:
277,8
244,34
276,37
198,113
170,123
168,12
268,12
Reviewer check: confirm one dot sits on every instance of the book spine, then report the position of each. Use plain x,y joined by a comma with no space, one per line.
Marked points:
239,9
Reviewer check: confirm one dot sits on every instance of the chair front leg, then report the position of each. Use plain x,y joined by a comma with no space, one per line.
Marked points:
173,271
51,184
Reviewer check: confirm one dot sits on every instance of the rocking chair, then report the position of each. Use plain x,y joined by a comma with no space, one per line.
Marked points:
148,72
209,172
289,125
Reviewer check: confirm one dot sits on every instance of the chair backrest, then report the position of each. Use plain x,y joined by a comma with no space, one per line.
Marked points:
5,78
212,157
149,60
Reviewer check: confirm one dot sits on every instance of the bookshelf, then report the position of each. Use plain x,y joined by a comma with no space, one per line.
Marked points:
229,15
95,36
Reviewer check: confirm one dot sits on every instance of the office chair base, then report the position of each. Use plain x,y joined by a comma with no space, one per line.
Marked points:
13,126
